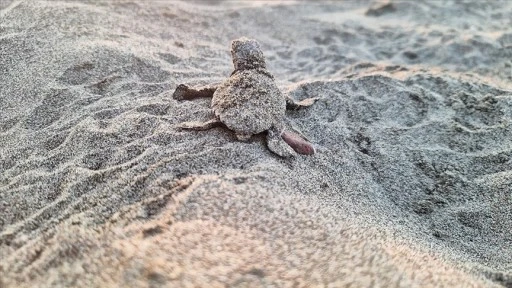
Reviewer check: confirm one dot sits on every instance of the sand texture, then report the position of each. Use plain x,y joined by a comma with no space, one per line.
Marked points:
411,185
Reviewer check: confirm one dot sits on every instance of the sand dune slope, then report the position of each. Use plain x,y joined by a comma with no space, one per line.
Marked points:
411,185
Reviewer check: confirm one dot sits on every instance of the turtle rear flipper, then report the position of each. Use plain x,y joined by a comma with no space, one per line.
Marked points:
200,126
299,144
289,126
276,144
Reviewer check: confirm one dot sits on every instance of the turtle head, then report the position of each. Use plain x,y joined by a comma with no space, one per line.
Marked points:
246,54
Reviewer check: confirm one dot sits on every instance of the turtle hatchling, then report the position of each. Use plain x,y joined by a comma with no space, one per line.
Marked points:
249,102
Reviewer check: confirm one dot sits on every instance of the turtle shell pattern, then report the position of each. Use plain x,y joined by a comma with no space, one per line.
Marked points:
249,102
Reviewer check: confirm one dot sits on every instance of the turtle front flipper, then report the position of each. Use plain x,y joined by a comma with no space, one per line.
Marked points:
294,105
276,144
183,92
200,126
299,144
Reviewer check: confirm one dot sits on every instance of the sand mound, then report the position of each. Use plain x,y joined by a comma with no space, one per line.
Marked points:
411,185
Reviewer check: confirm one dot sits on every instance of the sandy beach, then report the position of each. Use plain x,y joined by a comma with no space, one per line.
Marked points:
410,185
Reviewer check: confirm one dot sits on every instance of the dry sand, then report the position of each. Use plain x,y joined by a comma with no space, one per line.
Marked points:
411,185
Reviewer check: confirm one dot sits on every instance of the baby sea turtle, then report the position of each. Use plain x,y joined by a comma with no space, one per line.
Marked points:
249,102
